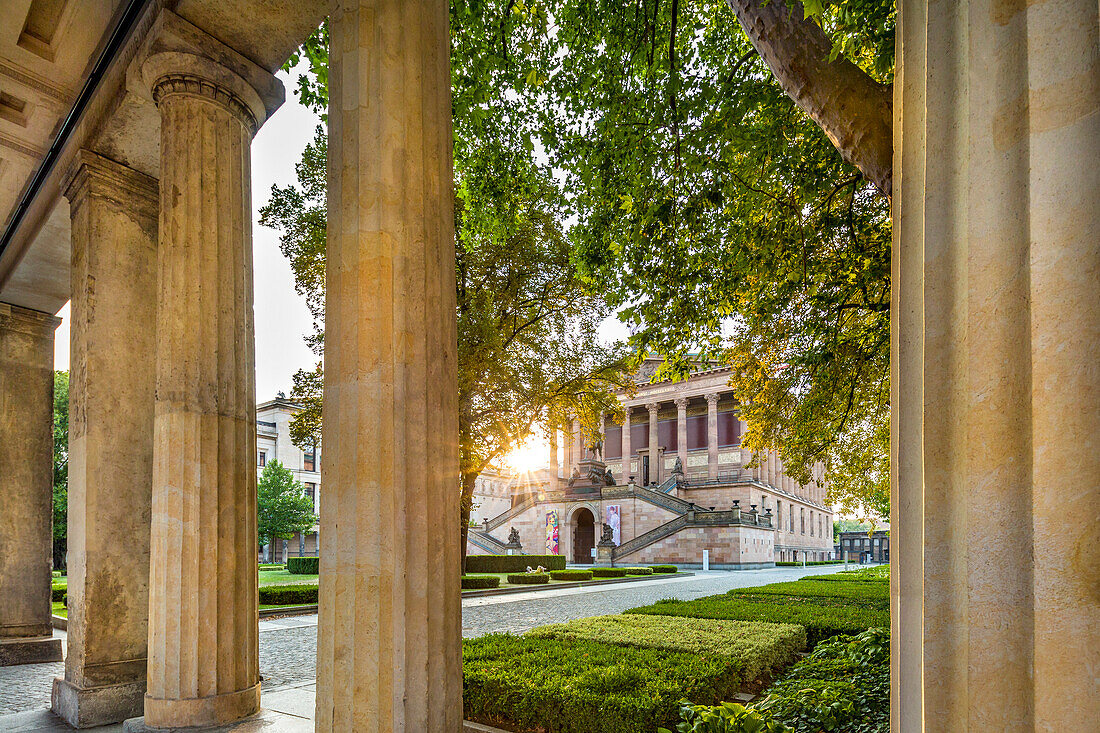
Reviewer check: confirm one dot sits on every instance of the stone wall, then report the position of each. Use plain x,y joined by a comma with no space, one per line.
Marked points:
730,547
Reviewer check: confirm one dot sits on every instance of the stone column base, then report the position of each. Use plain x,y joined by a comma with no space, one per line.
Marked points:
88,707
219,712
35,650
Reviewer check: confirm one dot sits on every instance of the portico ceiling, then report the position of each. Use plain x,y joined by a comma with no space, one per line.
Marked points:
48,50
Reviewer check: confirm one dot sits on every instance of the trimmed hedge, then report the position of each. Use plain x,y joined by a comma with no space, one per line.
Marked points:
865,594
639,571
608,572
664,568
529,578
821,620
525,683
480,581
57,592
303,565
571,574
877,574
808,563
512,563
761,649
282,595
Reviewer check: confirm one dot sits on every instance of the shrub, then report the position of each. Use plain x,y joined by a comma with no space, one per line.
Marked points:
529,578
480,581
57,592
877,574
608,572
524,683
303,565
571,574
843,685
512,563
760,648
279,566
664,568
821,621
281,595
729,717
639,571
870,595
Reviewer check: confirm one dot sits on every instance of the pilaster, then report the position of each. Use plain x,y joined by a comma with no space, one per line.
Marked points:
627,449
114,213
26,485
389,637
682,431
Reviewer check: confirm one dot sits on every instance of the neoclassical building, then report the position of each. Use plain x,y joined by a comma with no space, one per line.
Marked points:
743,516
125,144
273,442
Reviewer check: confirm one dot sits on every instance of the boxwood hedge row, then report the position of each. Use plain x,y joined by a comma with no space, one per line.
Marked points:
529,578
608,572
664,568
571,574
303,565
480,581
280,595
526,683
512,563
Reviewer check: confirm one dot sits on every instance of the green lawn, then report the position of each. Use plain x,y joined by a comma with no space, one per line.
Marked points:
283,577
505,584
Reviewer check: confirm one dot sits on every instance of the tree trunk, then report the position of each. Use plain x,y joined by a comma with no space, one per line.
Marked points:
466,482
854,110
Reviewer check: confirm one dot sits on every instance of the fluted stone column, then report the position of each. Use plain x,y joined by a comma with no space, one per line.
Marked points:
26,486
682,431
203,656
567,449
388,652
578,444
712,436
114,213
995,433
628,450
654,440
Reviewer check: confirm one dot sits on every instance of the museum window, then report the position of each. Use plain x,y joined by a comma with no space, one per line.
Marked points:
613,441
697,432
811,523
261,460
309,462
667,436
729,429
311,492
639,436
802,518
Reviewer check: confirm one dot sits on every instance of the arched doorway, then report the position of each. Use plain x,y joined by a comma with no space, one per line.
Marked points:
584,536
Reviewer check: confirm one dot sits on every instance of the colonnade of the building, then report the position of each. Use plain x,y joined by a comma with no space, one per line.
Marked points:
767,468
162,576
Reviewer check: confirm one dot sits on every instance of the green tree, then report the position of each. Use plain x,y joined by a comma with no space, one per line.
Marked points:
284,508
60,467
528,352
728,166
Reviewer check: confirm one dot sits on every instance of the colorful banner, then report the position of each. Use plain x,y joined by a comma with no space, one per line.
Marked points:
613,518
552,532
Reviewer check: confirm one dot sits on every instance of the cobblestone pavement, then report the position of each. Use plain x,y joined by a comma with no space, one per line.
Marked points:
288,647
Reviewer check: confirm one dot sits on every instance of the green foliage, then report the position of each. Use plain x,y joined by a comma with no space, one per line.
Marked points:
789,563
639,571
877,573
523,683
869,595
844,685
283,505
822,618
303,565
60,467
665,568
571,574
512,563
729,717
529,578
760,648
470,582
609,572
281,595
58,591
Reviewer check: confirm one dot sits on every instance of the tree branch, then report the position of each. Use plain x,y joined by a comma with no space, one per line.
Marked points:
854,110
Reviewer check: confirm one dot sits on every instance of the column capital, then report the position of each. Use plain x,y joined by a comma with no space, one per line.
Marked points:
91,174
712,398
653,407
180,58
681,403
25,320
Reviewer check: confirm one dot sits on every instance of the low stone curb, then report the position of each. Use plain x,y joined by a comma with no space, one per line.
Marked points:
289,610
59,622
577,584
